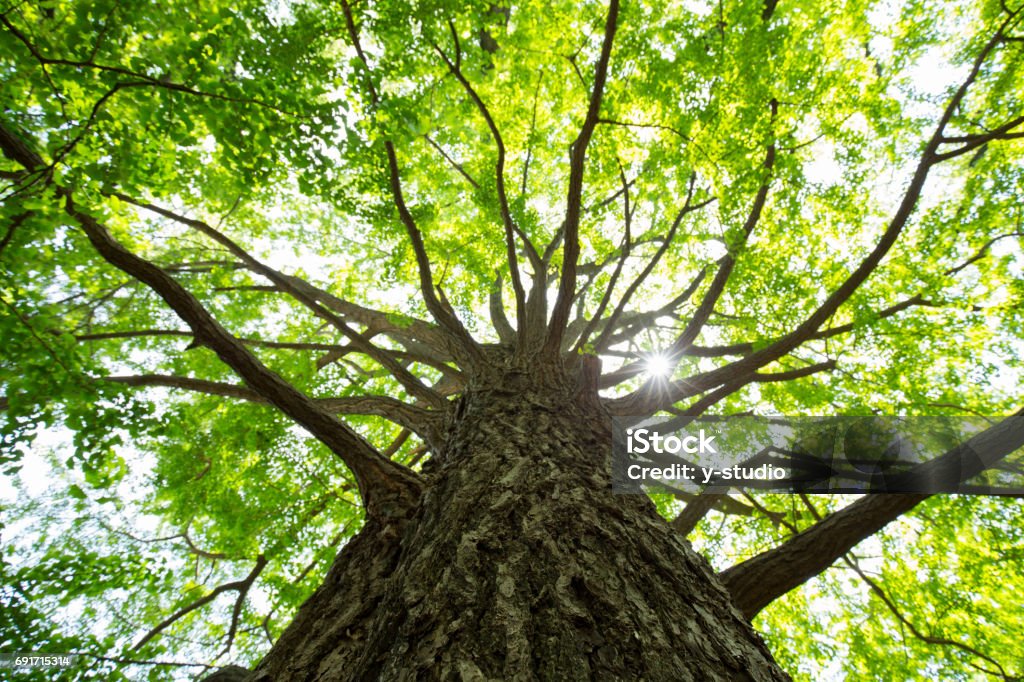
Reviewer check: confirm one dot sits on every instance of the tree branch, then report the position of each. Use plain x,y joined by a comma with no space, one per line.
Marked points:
217,388
530,135
14,223
577,160
386,323
452,162
511,228
603,339
506,334
443,315
239,586
624,249
421,421
213,556
141,333
243,591
758,581
717,288
629,325
411,383
927,639
980,253
388,489
972,142
650,401
695,510
142,77
725,267
850,560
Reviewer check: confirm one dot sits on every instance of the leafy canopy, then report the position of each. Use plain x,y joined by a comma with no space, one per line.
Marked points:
811,207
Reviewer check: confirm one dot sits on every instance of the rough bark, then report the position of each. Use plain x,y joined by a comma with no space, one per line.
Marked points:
521,564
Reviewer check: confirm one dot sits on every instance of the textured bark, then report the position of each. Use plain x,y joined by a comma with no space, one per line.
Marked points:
521,564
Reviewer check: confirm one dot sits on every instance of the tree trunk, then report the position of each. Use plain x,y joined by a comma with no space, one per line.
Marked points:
520,564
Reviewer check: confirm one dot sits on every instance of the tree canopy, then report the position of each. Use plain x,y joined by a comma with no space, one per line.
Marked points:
250,254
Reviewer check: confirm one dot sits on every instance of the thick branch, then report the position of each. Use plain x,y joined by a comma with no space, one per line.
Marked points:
511,229
647,401
758,581
577,160
13,224
500,321
442,314
287,284
695,510
417,419
387,489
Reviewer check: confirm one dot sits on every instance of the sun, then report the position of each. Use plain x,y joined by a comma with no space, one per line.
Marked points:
658,365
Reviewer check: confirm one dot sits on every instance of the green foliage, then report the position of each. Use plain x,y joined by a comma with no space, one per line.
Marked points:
262,120
947,583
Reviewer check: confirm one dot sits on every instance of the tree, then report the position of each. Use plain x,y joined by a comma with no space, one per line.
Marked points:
307,276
